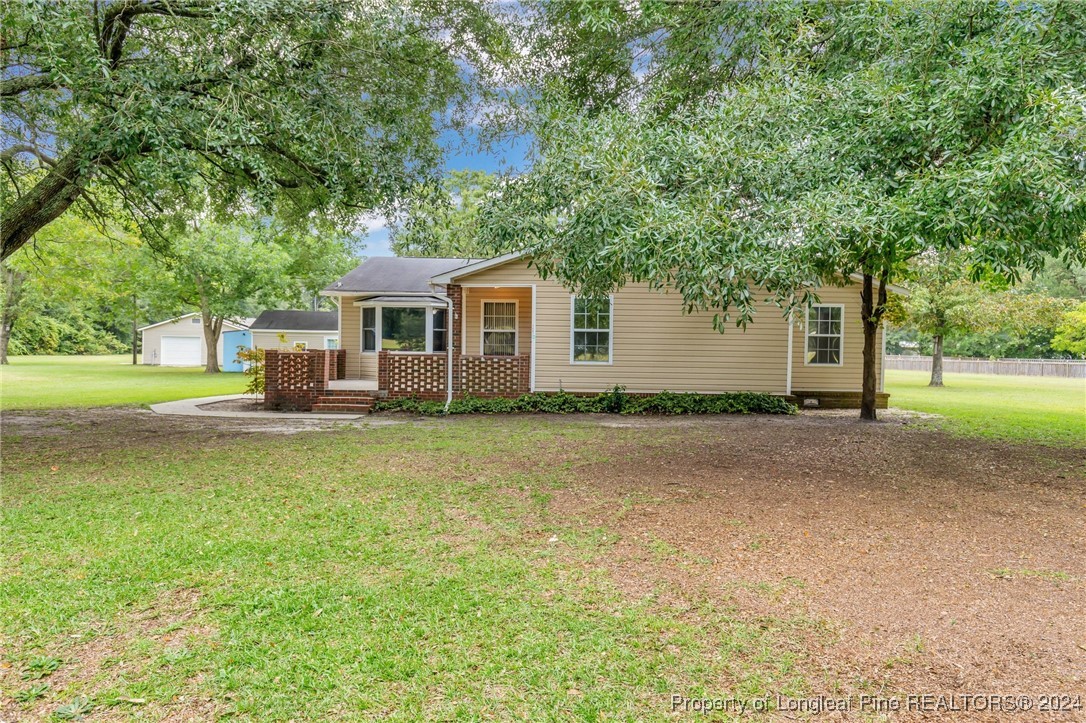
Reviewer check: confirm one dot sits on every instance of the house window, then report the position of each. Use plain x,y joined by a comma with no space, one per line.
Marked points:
825,336
441,330
403,329
590,341
331,342
301,346
369,329
196,320
500,327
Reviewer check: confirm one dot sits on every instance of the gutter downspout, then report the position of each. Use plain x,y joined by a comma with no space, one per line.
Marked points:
448,351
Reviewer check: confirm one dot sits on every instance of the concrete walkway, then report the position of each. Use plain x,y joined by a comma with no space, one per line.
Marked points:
192,408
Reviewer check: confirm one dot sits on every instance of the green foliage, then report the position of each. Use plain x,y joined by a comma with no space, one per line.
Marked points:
77,709
288,106
777,146
31,694
41,667
613,401
62,330
441,218
1071,333
254,369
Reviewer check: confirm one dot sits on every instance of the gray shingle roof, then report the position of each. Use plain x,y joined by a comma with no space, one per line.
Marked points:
291,320
395,274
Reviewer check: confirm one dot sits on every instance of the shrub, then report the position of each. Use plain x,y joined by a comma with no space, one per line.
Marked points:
614,401
254,358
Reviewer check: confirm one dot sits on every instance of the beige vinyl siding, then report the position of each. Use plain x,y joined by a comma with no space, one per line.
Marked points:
473,314
359,365
152,339
848,377
655,345
270,339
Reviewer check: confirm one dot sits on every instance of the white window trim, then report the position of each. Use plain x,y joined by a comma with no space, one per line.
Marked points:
377,327
326,340
516,324
294,345
807,337
430,329
610,333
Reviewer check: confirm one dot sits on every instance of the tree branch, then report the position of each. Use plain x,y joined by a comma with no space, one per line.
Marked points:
13,86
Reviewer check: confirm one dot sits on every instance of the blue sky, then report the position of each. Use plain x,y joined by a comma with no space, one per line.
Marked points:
461,156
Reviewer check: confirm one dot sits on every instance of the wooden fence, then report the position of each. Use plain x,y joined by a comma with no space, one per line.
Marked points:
1072,368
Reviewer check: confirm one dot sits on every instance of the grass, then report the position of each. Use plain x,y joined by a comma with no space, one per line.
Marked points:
387,573
45,382
1035,409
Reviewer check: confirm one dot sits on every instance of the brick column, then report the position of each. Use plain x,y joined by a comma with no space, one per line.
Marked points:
455,292
382,370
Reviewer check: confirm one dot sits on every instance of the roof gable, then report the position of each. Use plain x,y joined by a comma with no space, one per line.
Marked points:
394,274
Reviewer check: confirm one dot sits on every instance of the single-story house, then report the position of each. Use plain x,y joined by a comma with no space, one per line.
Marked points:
180,342
435,327
292,329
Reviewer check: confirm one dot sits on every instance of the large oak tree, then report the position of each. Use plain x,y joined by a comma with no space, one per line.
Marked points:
288,105
719,149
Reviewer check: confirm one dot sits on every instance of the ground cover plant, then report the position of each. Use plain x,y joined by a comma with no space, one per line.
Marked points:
613,401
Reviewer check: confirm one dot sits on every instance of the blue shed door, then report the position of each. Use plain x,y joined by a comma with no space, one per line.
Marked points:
231,340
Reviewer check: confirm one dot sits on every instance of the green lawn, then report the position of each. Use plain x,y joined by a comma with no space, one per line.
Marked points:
43,382
1036,409
391,573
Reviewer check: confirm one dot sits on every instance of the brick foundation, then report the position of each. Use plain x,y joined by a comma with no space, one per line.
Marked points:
835,400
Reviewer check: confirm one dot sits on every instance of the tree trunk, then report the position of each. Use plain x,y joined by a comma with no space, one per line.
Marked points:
50,197
13,295
872,312
936,361
135,328
212,330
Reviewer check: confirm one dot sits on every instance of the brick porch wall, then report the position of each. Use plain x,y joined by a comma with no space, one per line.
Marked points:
424,376
412,375
495,376
294,379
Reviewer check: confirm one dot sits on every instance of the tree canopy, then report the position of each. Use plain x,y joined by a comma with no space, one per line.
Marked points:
284,106
441,218
807,142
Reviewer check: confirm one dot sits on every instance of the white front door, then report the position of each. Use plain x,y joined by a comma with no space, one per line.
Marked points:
181,351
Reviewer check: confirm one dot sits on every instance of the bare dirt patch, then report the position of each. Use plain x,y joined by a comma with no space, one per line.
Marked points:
939,564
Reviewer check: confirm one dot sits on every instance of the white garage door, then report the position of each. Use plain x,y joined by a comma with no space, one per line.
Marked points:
181,351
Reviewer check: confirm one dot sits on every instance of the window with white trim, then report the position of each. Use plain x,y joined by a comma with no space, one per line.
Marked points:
825,338
331,342
500,327
369,328
301,346
590,335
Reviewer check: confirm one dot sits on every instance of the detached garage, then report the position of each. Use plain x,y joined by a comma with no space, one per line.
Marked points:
180,342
